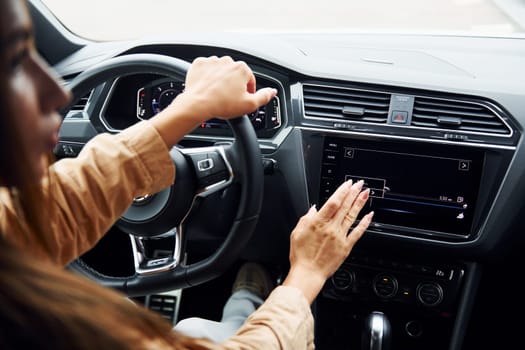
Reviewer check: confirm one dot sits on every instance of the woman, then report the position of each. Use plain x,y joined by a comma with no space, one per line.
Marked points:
48,214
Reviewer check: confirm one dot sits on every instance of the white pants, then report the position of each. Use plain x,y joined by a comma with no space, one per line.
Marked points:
239,306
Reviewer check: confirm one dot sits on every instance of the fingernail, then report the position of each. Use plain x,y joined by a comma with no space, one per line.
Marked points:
359,184
370,215
366,193
312,208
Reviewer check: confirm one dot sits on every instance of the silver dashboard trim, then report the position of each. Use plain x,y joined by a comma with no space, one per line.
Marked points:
105,106
407,138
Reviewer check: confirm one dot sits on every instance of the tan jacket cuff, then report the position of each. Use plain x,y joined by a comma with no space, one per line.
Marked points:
153,154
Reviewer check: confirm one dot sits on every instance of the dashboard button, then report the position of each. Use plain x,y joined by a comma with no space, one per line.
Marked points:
349,152
332,146
330,157
399,117
329,171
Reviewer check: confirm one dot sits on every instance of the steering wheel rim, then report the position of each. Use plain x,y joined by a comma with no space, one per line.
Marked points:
243,159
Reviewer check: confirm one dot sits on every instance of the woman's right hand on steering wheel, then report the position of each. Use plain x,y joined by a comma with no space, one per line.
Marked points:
214,88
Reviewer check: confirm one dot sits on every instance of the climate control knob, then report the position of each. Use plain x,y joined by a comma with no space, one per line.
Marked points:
429,293
385,285
343,279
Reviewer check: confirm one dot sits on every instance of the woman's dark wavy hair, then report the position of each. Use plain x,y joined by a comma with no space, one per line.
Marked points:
43,306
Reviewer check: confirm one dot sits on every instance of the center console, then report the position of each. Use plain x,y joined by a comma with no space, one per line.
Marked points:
418,297
427,197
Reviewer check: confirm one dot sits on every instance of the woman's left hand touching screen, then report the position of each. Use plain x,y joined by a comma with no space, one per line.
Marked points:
215,88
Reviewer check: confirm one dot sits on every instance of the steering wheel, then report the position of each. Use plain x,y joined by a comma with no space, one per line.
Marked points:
200,172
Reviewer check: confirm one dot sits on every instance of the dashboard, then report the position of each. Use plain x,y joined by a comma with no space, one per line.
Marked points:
436,135
433,160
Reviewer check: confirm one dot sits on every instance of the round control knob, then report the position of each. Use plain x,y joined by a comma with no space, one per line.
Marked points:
343,279
429,293
385,285
414,329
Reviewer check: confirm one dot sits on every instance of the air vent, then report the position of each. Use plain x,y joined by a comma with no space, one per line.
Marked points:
165,305
457,115
81,103
76,110
345,103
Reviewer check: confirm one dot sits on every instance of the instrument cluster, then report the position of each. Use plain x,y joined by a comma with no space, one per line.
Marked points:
158,94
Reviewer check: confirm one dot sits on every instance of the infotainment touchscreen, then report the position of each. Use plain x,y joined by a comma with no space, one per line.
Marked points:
422,187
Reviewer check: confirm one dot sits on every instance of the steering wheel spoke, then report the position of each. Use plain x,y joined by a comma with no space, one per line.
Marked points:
149,259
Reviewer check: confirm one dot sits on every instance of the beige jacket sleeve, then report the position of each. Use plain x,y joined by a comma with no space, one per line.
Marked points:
284,322
87,194
84,196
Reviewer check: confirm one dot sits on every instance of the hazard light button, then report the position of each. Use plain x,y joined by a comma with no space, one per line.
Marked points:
399,117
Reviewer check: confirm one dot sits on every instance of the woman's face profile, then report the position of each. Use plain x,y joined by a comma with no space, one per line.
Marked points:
33,93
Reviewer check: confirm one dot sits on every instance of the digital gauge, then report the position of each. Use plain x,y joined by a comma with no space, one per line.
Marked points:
156,96
266,117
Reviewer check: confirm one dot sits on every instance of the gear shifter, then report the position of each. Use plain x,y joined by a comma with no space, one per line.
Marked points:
377,332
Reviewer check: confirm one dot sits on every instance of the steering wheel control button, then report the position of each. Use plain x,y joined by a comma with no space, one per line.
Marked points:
429,293
217,161
385,285
210,167
198,160
343,279
205,164
211,170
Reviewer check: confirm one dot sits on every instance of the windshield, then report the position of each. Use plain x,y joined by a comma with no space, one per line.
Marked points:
130,19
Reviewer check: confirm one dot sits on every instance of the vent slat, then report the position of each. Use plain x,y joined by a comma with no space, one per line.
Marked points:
434,120
350,93
453,112
340,108
449,105
485,130
468,116
81,103
79,106
379,117
324,114
335,103
347,102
